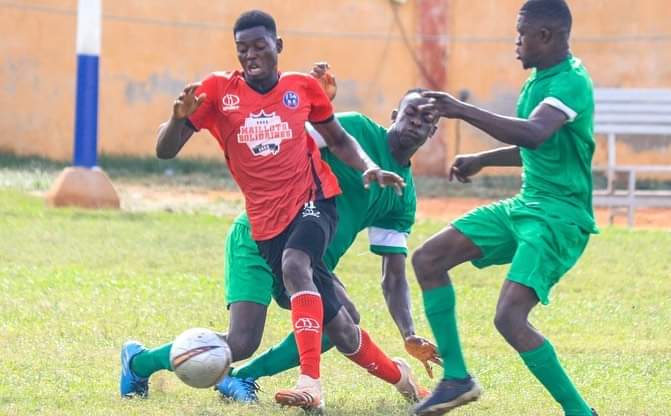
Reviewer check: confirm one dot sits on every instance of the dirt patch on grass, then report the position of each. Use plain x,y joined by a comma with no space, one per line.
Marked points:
450,208
225,202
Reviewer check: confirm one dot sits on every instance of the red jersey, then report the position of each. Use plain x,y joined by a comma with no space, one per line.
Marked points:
274,162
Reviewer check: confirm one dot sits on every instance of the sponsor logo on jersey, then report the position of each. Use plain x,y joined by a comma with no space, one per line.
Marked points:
230,102
306,324
290,99
310,210
263,133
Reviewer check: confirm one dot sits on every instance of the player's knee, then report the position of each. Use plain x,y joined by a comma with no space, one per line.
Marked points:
507,320
425,265
243,345
501,322
295,272
353,312
343,332
347,339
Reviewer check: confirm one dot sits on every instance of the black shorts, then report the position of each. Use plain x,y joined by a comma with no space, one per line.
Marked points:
311,232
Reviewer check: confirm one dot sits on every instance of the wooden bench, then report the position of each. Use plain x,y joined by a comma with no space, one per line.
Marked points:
631,112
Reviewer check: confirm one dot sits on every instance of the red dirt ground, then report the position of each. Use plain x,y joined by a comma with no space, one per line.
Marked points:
450,208
142,197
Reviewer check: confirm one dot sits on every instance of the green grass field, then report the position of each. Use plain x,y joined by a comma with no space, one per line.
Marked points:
76,284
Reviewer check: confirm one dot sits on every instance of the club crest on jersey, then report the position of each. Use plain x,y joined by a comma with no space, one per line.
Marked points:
230,102
290,99
263,133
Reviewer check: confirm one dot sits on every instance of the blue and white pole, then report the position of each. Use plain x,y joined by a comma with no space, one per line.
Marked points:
89,16
84,184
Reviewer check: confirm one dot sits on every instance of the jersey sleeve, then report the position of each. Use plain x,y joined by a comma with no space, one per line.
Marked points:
321,109
316,136
389,235
205,115
387,241
569,94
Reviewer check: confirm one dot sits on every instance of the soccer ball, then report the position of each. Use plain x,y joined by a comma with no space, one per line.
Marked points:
200,357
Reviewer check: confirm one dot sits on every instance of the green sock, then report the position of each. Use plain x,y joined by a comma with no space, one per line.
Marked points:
439,306
278,358
148,362
544,364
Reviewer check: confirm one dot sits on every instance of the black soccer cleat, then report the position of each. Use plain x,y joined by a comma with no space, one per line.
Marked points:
448,395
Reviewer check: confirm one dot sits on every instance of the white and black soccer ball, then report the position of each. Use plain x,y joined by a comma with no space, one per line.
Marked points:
200,357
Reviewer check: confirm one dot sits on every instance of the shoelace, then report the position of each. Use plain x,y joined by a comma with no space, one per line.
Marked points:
251,387
139,386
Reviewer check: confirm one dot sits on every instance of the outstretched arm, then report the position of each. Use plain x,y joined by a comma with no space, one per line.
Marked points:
397,293
465,166
397,296
543,122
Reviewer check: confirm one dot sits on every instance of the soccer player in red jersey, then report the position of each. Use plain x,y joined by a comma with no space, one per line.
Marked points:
257,115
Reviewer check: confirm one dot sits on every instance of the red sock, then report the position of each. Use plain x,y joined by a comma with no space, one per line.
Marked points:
373,359
307,315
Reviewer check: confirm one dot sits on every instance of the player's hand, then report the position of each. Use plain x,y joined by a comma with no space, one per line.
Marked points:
320,70
383,178
442,103
463,167
187,102
424,350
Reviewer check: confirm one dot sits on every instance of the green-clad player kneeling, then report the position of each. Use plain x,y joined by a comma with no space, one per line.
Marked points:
388,218
541,232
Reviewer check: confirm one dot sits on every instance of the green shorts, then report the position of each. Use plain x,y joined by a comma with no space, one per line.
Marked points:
247,276
540,246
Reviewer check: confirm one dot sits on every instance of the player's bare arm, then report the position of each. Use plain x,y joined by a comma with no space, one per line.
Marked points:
397,293
397,296
543,122
465,166
345,148
174,133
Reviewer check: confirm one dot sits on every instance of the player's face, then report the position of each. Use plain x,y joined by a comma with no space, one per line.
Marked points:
414,126
528,43
257,52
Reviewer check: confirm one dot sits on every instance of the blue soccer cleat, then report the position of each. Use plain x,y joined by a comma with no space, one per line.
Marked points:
448,395
238,389
131,385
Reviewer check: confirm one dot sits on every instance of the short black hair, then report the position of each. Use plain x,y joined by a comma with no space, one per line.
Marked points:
254,18
555,13
417,90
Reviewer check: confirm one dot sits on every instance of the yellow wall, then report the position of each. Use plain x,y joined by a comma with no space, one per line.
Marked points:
151,48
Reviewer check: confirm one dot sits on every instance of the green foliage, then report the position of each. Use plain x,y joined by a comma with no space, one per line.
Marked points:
76,284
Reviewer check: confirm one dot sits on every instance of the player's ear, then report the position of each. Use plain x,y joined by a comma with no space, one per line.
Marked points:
394,114
545,35
279,44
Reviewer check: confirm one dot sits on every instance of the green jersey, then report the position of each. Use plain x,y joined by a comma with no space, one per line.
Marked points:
387,216
557,176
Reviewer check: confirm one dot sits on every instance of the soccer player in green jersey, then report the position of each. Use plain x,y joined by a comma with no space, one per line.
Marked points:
388,218
541,232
